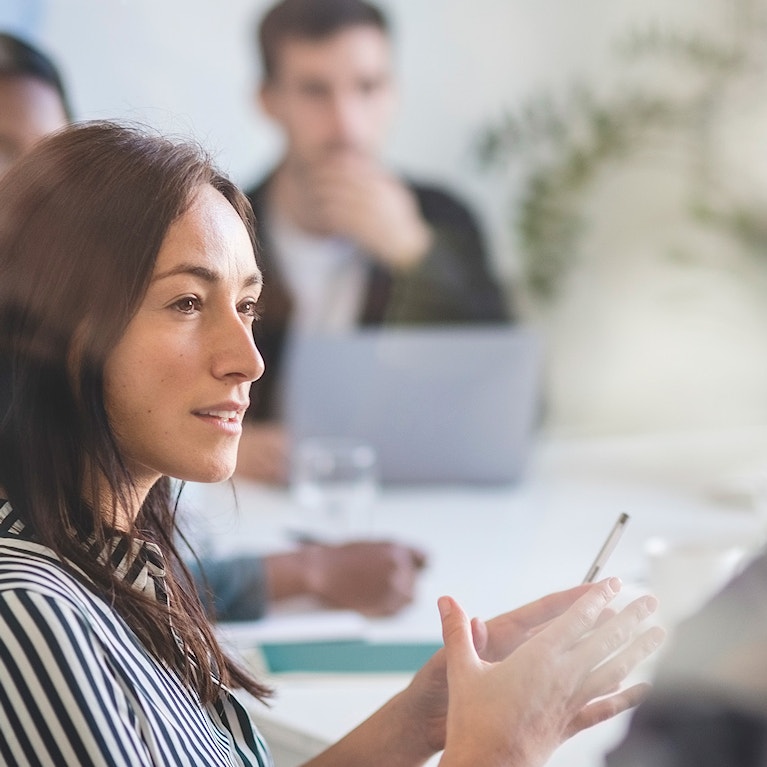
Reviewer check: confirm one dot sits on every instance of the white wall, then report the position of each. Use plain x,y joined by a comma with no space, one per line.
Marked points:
637,342
187,66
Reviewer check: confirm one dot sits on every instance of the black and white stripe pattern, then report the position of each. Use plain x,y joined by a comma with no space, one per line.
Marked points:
77,687
139,563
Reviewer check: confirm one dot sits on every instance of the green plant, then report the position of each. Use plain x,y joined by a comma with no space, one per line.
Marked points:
561,146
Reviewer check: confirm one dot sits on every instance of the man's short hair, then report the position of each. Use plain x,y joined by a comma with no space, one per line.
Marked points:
20,59
311,20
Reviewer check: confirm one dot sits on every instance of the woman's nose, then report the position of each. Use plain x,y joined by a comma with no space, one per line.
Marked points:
236,354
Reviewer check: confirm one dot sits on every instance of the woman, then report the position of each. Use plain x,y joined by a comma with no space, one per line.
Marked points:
128,288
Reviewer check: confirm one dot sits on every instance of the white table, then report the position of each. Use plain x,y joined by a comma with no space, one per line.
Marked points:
495,548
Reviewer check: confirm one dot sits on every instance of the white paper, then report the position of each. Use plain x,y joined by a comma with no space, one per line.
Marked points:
318,626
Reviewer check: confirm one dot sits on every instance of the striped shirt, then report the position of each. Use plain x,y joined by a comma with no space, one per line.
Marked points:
77,687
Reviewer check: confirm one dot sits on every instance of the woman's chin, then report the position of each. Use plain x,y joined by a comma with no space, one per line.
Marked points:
210,474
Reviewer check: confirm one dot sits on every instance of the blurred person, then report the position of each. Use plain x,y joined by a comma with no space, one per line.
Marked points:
372,577
345,240
33,101
105,396
708,707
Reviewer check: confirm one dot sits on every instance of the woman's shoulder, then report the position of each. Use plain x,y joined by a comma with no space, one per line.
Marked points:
39,594
31,568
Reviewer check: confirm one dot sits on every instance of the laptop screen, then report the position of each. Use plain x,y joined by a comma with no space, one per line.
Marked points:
447,404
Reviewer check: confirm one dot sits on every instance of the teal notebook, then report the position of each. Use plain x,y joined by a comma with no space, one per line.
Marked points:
346,656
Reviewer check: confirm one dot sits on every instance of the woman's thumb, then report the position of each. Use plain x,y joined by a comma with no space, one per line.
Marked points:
456,633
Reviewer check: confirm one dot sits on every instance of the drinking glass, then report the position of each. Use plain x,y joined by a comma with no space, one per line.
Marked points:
335,482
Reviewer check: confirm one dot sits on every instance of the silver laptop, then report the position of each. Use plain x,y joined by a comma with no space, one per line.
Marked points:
448,404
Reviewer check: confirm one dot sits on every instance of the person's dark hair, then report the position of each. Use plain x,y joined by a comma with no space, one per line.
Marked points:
311,20
20,59
82,218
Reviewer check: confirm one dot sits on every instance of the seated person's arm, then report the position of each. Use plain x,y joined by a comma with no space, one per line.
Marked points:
424,235
374,578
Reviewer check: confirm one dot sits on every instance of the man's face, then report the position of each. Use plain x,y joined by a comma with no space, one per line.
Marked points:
29,110
333,95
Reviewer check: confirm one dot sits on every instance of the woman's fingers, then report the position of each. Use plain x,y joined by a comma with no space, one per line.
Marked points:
614,634
607,656
457,636
607,613
542,610
605,616
608,676
569,628
506,632
606,708
479,635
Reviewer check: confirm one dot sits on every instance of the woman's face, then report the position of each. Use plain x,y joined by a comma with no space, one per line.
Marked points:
177,384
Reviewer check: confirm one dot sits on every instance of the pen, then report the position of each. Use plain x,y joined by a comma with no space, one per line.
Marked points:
607,548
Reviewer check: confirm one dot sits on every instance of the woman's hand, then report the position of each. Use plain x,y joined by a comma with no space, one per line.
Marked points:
518,685
564,678
527,680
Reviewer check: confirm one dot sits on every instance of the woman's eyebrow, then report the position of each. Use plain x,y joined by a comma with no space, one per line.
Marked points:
208,275
254,279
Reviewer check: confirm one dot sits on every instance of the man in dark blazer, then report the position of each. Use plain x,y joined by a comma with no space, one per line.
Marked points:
345,241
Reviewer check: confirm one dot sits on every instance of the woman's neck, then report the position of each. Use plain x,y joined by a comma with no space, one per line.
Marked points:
119,513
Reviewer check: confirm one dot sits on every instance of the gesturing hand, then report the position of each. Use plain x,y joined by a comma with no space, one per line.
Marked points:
564,678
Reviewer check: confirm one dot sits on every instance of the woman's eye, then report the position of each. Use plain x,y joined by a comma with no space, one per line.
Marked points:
249,309
187,304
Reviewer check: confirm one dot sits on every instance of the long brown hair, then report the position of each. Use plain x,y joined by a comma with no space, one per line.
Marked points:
82,218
